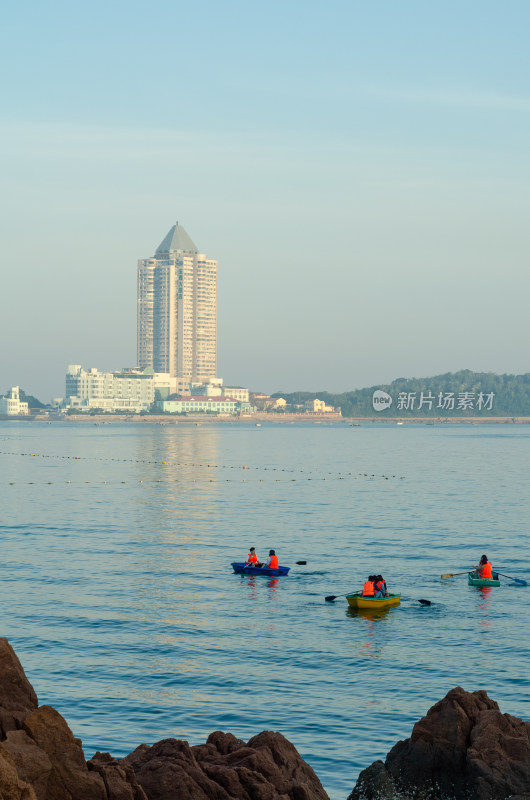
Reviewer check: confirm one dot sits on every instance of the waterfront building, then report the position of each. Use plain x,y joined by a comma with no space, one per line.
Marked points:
317,406
237,392
11,405
177,310
204,404
127,390
216,389
264,402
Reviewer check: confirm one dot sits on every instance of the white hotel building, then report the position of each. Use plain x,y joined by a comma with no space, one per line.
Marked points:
177,311
128,390
11,405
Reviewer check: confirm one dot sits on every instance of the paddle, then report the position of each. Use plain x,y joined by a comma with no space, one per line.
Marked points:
300,562
452,574
517,580
332,597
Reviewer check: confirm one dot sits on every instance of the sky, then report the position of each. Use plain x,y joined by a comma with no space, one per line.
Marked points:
359,170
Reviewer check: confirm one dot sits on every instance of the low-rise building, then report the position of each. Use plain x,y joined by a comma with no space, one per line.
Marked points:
260,400
264,402
317,406
11,405
204,405
215,388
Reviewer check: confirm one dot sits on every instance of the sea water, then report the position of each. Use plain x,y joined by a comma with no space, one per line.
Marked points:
119,599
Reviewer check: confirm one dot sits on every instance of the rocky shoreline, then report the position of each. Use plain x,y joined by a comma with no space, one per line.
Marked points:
463,749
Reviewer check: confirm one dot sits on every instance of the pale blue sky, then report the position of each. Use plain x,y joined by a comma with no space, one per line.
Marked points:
360,171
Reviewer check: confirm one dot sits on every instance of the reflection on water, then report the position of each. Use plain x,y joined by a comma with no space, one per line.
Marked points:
370,613
255,582
485,605
369,621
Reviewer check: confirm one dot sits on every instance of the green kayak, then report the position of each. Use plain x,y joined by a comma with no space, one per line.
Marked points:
474,581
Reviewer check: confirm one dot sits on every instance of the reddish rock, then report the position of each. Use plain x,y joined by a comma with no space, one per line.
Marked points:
17,697
11,786
268,767
464,748
69,776
32,763
168,770
269,756
118,777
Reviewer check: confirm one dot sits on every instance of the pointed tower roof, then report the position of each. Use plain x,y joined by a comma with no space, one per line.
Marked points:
176,239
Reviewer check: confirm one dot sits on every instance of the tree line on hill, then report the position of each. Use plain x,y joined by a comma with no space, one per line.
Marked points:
454,394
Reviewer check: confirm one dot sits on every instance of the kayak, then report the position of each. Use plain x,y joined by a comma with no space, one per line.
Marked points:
240,569
474,581
356,600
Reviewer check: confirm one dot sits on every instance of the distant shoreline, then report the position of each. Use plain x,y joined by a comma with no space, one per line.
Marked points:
200,419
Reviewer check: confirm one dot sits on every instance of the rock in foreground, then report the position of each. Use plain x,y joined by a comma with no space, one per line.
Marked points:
464,749
41,760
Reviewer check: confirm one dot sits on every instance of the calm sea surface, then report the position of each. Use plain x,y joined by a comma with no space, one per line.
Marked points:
118,596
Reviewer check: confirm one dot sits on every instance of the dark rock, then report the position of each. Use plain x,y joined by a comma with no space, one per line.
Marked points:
11,785
32,763
17,697
268,767
69,775
464,749
268,757
118,777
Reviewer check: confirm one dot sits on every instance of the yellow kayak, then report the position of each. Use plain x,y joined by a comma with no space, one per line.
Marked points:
356,600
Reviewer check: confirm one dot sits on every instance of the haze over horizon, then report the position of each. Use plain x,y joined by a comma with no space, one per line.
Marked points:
359,172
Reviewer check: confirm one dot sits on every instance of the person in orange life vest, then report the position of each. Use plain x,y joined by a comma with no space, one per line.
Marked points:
272,561
252,559
380,586
369,587
484,569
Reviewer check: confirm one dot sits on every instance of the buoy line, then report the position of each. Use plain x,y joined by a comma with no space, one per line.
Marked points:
336,475
158,481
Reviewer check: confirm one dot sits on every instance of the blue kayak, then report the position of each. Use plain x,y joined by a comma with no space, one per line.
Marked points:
240,568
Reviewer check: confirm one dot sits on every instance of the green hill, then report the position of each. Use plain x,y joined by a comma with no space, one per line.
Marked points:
455,394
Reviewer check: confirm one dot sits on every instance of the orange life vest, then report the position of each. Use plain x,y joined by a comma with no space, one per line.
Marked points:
368,589
274,562
487,571
252,558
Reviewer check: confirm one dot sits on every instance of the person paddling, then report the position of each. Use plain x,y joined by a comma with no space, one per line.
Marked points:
484,569
252,559
380,586
272,561
369,587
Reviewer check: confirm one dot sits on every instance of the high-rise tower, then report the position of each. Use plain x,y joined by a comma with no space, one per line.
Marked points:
177,310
